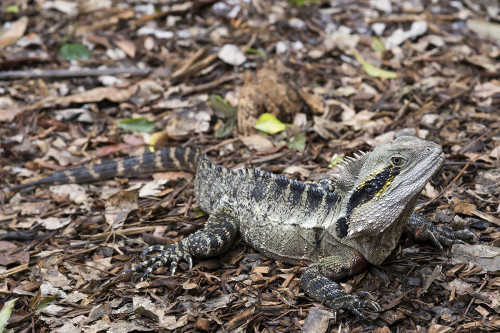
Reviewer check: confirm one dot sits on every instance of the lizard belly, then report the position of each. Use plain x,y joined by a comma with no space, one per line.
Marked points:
284,232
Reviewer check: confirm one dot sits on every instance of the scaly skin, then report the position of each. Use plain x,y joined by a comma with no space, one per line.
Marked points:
336,226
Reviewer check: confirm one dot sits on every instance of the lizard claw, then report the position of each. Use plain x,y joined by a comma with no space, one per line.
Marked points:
173,268
353,302
363,294
169,254
440,236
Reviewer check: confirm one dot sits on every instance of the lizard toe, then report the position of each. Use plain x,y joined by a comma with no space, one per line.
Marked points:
353,308
364,294
153,248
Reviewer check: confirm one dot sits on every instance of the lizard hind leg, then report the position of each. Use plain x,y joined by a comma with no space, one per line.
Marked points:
217,236
317,281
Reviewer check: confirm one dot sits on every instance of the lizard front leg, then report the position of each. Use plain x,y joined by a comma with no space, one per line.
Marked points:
424,230
317,281
217,236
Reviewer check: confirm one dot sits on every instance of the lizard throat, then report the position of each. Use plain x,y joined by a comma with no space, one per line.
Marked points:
374,187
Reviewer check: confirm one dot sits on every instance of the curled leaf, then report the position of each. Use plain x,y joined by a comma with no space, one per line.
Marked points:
372,70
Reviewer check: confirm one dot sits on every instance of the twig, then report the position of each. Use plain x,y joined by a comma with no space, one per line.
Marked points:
461,151
451,183
63,73
474,297
207,86
397,19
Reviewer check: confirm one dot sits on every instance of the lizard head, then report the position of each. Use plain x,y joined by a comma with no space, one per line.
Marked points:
385,187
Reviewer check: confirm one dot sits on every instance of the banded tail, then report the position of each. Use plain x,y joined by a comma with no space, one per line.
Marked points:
171,158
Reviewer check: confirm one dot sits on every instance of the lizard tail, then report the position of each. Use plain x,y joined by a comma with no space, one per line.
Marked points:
172,158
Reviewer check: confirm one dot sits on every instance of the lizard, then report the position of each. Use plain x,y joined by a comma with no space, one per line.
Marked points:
336,226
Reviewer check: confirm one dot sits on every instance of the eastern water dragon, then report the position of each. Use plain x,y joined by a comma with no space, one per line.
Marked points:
336,226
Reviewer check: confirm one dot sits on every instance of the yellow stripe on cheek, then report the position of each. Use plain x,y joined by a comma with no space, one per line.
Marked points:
386,185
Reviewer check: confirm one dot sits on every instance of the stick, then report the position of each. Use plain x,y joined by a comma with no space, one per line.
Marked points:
63,73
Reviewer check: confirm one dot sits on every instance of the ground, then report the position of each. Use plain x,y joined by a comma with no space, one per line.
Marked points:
115,78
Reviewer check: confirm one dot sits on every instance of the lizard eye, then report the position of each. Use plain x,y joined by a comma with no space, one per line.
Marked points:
398,161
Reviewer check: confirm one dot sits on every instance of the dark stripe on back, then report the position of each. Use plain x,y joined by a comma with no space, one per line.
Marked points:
314,196
330,201
342,227
259,189
282,182
296,189
318,236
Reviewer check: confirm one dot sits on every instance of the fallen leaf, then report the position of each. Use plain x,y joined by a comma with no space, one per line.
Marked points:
6,312
54,223
73,51
257,142
487,257
317,320
15,31
372,70
484,28
268,123
137,124
119,206
435,328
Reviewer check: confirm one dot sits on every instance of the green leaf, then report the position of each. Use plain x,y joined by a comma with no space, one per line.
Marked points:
301,3
372,70
137,125
377,45
72,51
268,123
298,143
220,104
6,312
12,9
256,52
226,128
45,302
336,159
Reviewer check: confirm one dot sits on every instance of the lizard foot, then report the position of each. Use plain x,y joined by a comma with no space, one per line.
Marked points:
424,230
169,254
443,235
353,302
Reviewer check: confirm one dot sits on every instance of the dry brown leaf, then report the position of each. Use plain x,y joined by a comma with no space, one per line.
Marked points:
463,207
317,320
435,328
15,32
8,114
487,257
119,206
257,142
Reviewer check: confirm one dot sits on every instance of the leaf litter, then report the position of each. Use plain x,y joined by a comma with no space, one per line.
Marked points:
343,77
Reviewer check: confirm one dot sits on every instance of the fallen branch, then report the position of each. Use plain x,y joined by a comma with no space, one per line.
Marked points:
63,73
